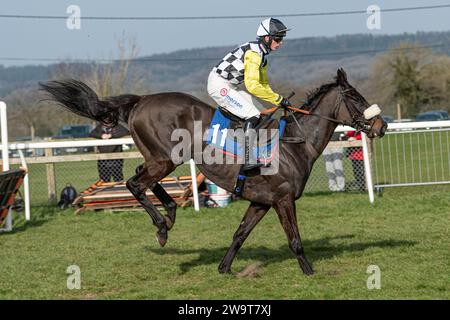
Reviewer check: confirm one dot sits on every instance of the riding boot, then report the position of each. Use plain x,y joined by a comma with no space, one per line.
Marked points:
250,136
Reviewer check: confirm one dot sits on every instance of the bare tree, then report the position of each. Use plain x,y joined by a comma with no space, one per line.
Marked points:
109,78
23,113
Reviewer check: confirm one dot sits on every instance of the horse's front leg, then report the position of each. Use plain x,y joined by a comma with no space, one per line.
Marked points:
254,214
285,208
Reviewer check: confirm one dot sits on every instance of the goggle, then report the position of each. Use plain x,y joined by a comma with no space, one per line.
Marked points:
277,39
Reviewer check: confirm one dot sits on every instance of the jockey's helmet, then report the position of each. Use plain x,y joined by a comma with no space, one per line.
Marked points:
272,27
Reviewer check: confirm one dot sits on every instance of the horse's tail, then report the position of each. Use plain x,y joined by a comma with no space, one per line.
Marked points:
82,100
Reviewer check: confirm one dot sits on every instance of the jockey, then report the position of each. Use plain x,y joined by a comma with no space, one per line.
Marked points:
246,68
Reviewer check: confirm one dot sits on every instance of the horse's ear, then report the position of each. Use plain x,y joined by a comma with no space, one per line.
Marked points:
341,77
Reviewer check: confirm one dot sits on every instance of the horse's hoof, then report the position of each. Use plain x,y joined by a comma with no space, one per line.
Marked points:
224,270
306,266
161,237
169,223
308,272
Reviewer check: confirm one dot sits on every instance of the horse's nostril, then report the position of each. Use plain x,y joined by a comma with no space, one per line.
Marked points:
383,129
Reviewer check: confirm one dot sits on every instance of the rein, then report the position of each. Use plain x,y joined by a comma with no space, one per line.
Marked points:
314,114
290,110
357,122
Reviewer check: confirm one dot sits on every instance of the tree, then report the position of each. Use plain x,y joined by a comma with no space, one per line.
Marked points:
436,83
412,76
408,90
111,78
106,79
31,117
25,115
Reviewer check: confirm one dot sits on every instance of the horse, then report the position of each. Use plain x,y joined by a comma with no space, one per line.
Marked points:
152,119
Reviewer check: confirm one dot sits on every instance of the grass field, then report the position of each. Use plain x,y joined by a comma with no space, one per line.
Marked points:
405,233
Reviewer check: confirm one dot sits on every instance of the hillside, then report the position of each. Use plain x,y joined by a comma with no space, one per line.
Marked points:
301,61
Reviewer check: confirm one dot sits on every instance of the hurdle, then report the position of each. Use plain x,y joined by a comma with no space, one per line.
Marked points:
115,196
5,156
10,180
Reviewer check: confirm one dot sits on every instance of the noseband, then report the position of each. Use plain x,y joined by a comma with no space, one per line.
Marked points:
359,122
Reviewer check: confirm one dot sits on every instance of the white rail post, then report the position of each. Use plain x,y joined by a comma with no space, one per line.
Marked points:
194,185
26,186
5,155
367,167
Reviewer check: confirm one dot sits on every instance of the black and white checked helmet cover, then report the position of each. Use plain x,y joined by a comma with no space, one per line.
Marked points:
271,27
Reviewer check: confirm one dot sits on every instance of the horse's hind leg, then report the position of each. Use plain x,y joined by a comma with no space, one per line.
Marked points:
254,214
169,204
167,201
148,177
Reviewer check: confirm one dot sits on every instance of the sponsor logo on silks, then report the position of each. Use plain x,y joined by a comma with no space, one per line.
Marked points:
234,102
223,92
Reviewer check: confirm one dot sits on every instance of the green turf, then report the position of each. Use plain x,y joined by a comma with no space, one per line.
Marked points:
405,233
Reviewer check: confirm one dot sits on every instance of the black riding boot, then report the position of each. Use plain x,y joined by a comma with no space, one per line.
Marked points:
250,136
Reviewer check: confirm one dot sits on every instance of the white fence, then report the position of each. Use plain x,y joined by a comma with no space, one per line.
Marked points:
5,157
49,160
55,170
42,170
412,154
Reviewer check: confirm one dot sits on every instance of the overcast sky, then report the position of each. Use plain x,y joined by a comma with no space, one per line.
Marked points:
28,38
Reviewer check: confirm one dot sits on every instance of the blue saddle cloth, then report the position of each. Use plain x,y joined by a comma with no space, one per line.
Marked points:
219,137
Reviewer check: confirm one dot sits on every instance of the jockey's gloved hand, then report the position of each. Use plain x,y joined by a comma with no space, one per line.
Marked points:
285,103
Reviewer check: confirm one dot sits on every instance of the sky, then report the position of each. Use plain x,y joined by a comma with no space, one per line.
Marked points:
29,38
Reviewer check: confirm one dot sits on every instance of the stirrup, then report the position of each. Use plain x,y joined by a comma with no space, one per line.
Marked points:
251,166
293,139
239,186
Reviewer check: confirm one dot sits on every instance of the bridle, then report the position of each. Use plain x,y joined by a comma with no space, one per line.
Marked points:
358,121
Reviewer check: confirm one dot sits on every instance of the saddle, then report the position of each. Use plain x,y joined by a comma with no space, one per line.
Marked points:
265,121
223,135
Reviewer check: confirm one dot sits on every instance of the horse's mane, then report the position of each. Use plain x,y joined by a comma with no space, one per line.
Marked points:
314,94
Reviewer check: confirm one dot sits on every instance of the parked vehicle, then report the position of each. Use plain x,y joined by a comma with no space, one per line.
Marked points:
73,132
444,114
388,119
403,120
430,116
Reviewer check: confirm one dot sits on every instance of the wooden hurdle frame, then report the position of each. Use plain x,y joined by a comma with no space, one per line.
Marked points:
116,196
5,156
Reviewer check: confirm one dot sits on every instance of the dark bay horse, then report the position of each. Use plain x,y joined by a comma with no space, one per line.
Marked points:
153,118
